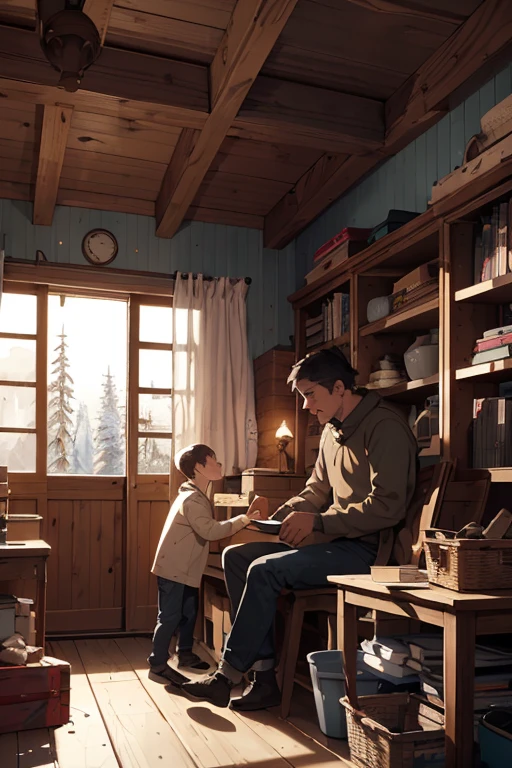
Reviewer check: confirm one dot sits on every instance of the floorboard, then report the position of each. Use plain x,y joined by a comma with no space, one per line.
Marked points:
122,719
84,742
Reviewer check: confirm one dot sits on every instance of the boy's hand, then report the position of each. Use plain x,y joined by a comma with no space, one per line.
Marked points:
296,527
258,509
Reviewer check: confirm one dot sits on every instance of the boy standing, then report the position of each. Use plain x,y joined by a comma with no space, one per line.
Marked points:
182,553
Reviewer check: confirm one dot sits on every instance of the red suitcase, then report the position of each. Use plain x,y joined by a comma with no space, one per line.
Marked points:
35,696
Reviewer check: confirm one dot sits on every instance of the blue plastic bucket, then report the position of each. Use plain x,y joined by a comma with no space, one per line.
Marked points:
495,744
326,669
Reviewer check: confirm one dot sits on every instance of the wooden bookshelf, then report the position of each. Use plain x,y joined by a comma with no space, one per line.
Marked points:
501,474
416,318
495,291
461,311
339,341
498,371
409,391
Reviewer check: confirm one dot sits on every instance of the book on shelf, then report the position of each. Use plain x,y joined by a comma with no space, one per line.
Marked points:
397,573
387,648
491,355
492,251
387,667
499,338
425,647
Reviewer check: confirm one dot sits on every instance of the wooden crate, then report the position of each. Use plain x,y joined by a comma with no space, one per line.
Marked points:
24,527
35,696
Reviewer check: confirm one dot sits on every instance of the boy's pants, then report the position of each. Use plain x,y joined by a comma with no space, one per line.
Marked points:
177,609
255,575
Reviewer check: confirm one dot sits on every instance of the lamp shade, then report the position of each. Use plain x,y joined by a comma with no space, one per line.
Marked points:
283,432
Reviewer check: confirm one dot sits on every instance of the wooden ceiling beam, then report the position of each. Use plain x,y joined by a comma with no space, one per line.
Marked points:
252,32
99,13
54,136
477,46
181,87
412,8
122,83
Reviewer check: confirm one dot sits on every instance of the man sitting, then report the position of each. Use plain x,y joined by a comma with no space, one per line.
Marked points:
362,483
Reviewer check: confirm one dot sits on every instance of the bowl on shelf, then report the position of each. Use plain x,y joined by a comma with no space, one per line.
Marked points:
378,308
422,362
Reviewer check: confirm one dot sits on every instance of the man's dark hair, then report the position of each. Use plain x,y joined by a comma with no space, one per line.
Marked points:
325,367
187,458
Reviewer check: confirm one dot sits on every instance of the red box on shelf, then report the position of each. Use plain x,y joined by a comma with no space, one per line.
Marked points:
352,234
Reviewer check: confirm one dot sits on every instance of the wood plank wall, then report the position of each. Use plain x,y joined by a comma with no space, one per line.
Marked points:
213,249
274,402
405,181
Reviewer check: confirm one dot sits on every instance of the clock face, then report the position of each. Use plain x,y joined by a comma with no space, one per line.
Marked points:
99,246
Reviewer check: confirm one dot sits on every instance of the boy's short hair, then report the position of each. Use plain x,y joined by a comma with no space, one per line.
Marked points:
188,457
325,367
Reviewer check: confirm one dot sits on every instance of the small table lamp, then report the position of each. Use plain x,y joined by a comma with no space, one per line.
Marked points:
283,437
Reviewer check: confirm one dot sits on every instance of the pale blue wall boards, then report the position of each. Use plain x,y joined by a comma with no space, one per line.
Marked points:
213,249
405,180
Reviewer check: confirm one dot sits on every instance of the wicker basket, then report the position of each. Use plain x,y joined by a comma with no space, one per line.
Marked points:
470,565
393,731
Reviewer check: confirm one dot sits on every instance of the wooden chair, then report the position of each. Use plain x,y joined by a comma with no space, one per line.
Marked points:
406,548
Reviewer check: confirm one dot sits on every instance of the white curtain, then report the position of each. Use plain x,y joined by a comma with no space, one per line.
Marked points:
213,377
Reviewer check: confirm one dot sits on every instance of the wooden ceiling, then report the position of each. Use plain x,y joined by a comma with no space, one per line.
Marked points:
255,113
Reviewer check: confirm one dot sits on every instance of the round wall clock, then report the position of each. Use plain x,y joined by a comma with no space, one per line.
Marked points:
99,246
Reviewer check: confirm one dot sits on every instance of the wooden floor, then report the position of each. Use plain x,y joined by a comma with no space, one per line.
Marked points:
121,718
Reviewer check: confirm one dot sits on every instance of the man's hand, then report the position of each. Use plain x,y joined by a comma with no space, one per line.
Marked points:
296,526
281,512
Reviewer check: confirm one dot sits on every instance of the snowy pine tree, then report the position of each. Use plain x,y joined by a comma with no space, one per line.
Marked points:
151,458
110,443
60,442
82,460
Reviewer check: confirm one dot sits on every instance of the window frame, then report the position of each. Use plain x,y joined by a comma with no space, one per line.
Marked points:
138,288
134,347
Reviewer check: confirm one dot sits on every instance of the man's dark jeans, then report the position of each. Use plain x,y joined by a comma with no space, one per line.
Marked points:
255,575
177,609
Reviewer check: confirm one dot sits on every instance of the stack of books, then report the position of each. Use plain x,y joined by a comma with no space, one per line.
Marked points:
493,678
496,344
386,657
332,323
412,658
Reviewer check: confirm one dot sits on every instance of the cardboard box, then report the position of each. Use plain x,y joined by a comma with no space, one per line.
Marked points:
25,625
35,696
24,606
7,616
417,277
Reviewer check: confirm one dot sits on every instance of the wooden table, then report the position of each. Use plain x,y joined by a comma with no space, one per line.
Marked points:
20,560
463,616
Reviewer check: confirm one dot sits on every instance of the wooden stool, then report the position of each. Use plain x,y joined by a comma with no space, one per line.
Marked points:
303,600
320,599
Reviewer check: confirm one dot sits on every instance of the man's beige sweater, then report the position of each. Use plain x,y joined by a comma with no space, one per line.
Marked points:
365,474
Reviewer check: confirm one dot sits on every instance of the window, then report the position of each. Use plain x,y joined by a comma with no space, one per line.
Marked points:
87,376
18,330
154,349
